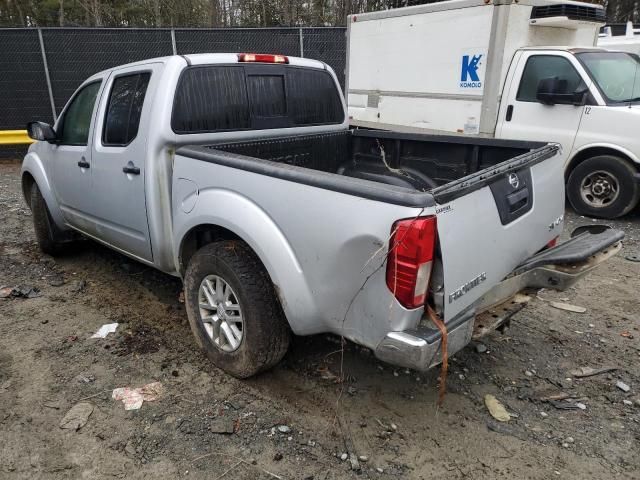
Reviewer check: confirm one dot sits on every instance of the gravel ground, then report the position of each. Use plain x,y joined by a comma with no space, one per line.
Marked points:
297,421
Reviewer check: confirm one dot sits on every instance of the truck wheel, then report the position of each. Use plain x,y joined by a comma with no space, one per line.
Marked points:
47,236
233,309
604,187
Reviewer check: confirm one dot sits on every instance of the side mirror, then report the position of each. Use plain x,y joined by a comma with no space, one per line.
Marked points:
41,131
552,91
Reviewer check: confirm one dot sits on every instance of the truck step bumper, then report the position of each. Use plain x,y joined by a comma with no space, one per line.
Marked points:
556,268
581,249
559,267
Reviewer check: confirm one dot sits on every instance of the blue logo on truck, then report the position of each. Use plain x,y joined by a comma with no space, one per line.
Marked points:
469,75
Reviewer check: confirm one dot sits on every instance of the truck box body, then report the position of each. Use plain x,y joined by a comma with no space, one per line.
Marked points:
442,66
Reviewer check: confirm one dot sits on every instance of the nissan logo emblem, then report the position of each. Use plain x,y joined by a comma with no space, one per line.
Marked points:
514,181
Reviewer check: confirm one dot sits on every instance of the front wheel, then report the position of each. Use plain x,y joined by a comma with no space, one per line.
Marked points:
233,309
604,186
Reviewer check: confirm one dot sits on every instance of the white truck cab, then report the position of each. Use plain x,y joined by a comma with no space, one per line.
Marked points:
507,70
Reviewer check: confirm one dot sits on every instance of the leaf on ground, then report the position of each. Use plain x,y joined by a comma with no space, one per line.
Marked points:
77,417
496,409
582,372
568,307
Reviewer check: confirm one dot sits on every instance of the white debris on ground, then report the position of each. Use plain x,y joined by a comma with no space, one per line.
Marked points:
105,330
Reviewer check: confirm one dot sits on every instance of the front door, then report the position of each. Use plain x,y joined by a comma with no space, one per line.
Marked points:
71,157
118,155
523,117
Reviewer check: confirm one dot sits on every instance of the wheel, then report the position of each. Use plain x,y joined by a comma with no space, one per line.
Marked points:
48,237
233,309
604,187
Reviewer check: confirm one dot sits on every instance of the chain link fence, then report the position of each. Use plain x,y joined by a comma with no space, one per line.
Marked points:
41,68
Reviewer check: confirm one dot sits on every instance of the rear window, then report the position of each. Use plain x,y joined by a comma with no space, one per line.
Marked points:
242,97
266,95
313,97
210,100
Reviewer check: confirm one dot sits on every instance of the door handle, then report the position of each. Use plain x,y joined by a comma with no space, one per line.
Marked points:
509,113
133,170
83,163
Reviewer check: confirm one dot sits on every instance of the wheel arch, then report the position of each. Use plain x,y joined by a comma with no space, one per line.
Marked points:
597,150
292,293
27,185
33,172
199,236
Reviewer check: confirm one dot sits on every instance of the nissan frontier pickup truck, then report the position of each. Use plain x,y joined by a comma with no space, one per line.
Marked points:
239,174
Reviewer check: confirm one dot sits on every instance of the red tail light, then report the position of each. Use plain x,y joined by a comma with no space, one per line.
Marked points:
262,58
552,243
410,258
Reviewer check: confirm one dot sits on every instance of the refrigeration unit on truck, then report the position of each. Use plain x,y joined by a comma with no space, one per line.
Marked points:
499,69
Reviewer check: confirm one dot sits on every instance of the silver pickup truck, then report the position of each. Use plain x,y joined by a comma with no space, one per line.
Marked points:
239,174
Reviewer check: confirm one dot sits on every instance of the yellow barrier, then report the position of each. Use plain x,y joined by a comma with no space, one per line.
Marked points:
14,137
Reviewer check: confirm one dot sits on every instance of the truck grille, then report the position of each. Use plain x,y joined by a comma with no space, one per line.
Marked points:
573,12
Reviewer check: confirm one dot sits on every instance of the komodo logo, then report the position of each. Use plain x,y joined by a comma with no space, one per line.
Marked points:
469,76
455,295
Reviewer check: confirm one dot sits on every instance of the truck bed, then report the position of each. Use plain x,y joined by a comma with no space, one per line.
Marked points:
318,210
404,164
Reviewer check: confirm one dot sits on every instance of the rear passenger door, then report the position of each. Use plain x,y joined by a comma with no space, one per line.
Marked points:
119,152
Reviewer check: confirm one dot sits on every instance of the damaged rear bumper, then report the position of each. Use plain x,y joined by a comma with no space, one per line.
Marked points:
557,268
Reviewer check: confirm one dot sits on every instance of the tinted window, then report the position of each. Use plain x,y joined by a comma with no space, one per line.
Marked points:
314,98
210,99
77,118
217,98
547,66
124,108
266,95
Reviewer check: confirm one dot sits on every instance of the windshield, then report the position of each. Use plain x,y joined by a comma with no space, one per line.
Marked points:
615,73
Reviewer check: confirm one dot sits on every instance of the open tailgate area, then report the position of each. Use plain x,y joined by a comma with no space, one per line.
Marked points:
492,221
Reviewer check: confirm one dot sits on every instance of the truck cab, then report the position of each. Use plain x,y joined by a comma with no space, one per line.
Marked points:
588,101
525,70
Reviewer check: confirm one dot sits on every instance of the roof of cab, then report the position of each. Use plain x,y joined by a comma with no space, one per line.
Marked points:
565,49
209,59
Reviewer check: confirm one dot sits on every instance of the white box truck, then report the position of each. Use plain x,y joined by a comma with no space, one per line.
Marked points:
506,69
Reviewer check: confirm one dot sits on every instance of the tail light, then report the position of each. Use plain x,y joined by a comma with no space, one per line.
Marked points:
552,243
410,259
262,58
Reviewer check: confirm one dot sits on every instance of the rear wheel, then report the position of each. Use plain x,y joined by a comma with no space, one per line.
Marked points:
233,309
49,238
604,186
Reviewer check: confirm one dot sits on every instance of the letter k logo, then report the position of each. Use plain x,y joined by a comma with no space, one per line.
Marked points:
470,68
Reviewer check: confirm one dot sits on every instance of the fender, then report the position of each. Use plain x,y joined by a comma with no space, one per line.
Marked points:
609,146
238,214
33,165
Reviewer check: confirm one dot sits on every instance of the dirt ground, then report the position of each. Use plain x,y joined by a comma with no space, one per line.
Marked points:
48,363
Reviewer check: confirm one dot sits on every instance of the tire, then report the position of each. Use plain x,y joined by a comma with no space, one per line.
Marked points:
48,238
603,187
264,330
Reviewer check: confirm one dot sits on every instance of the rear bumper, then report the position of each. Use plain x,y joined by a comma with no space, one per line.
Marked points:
557,268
